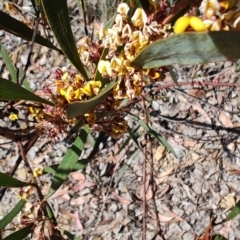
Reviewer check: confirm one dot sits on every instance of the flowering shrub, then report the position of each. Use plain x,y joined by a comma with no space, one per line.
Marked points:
132,50
124,40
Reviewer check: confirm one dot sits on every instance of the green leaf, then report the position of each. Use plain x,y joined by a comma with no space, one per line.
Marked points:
123,146
10,67
110,22
12,214
8,181
50,214
90,140
20,234
25,82
12,91
21,30
80,108
234,212
78,166
95,149
189,49
67,164
75,129
134,137
152,132
56,12
219,237
161,139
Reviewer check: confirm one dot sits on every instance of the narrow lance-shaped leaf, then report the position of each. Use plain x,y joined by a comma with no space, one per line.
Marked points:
218,237
50,214
67,164
20,234
152,132
12,214
56,12
8,181
21,30
79,165
80,108
189,49
234,212
161,139
12,91
134,137
8,62
10,67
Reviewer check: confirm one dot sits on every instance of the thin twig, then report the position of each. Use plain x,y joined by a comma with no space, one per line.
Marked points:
30,51
152,186
187,83
204,101
85,18
144,203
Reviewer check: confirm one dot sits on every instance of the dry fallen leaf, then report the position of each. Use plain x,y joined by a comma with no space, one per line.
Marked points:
187,142
197,92
164,175
61,194
79,200
228,201
121,200
226,229
78,176
163,218
159,152
81,185
78,221
231,146
202,113
149,194
172,214
163,191
225,120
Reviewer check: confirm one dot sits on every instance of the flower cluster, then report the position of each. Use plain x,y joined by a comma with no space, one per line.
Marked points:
72,86
221,15
216,15
112,54
125,40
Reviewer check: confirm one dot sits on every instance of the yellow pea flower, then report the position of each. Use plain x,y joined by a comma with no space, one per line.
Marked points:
92,87
184,22
87,89
139,18
197,24
181,24
37,172
104,67
13,116
123,9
